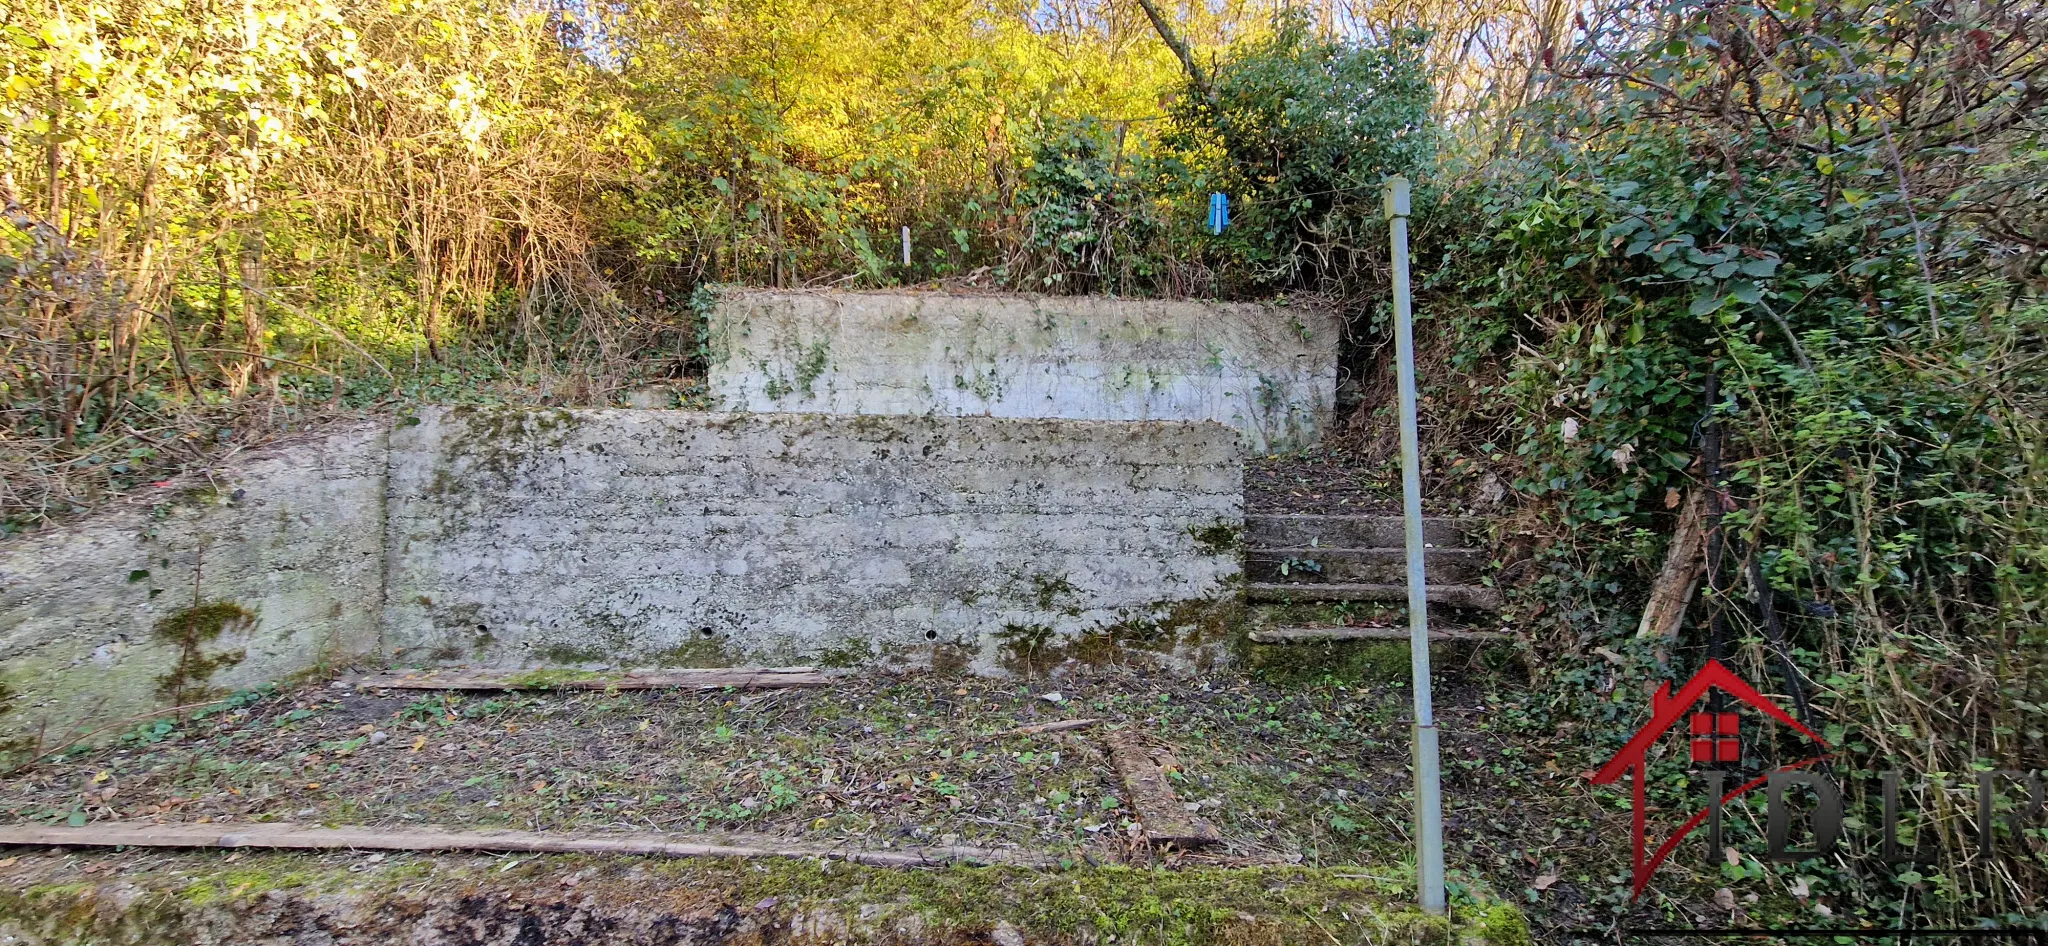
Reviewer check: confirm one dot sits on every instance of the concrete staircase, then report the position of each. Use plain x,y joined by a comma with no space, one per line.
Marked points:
1313,558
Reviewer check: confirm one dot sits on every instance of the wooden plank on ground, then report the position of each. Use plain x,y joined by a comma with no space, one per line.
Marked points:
286,836
748,678
1317,635
1162,816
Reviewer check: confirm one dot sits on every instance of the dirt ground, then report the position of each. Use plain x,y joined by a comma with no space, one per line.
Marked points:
1310,776
1314,777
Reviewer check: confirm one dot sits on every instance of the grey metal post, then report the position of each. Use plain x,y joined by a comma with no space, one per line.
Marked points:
1429,819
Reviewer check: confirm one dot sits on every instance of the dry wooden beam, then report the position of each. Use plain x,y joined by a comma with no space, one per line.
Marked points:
749,678
286,836
1683,565
1162,816
1317,635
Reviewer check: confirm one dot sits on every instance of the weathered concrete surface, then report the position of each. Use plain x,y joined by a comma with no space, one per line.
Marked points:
290,534
1269,371
655,538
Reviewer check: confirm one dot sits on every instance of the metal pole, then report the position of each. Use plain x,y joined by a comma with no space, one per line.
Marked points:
1429,817
906,247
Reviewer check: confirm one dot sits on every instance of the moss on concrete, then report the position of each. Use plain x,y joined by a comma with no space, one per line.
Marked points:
190,630
1220,539
1188,631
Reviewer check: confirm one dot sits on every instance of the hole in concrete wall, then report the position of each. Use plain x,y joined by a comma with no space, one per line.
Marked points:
931,635
483,629
706,633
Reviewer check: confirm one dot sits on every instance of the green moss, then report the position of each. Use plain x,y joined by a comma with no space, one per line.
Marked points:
1178,907
1180,629
1219,539
568,654
190,630
1347,661
1028,648
548,679
244,883
703,652
1503,925
1266,906
848,654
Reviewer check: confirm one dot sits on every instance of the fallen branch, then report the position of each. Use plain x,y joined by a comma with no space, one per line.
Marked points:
1064,725
1683,566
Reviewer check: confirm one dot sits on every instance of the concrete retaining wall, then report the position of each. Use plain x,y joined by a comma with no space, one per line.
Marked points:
635,538
281,551
682,539
1268,371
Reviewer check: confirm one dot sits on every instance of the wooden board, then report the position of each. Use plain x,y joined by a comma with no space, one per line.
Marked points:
1316,635
748,678
286,836
1160,813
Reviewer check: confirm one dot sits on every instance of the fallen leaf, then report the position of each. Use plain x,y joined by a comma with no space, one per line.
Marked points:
103,776
1725,899
312,785
1544,882
418,744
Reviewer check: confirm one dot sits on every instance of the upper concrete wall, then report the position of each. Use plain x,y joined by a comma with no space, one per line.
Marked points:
1269,371
663,538
98,619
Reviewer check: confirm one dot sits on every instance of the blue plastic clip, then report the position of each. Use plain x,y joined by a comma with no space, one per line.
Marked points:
1219,212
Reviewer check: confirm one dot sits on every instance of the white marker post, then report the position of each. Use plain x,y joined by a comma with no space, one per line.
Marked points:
906,247
1429,816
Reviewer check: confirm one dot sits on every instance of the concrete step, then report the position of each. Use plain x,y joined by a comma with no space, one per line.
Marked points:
1321,634
1312,564
1478,597
1357,532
